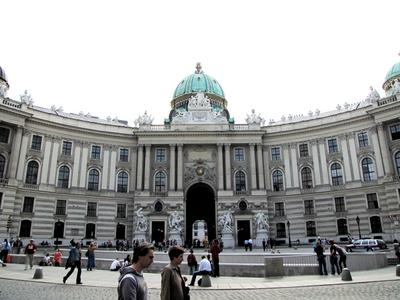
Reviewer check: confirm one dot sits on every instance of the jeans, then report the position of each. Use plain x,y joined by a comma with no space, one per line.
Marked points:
322,264
334,264
77,264
342,260
203,272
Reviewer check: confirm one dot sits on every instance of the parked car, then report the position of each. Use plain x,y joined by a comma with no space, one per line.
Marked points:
367,244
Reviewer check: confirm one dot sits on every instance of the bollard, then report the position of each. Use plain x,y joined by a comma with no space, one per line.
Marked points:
205,281
398,270
38,273
346,276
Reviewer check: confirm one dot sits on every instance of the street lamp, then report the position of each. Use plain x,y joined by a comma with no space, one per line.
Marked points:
358,225
288,227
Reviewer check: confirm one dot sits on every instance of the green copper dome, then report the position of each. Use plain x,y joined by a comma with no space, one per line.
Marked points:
198,82
393,72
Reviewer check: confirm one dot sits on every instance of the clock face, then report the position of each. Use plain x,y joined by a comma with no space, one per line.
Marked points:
200,171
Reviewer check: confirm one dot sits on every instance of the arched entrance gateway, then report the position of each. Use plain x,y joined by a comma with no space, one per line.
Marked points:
200,212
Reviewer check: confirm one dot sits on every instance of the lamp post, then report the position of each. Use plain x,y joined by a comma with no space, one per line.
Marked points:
358,225
288,227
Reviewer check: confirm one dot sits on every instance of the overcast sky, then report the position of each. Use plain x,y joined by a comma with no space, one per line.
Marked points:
120,58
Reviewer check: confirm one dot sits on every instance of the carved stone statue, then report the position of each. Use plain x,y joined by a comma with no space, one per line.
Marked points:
373,96
26,98
396,87
254,119
226,222
175,221
144,119
261,221
141,221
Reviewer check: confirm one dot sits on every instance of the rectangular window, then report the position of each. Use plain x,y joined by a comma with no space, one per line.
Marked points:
276,153
67,148
123,154
96,150
362,139
339,204
36,142
280,230
1,200
160,155
395,131
309,207
121,211
279,209
239,154
372,200
4,135
332,146
303,149
311,228
91,209
28,205
61,207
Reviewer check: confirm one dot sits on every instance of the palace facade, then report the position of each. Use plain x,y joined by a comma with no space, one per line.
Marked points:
329,174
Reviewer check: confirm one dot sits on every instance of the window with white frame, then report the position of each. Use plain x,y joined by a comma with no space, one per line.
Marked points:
311,229
306,178
240,181
28,205
122,184
32,172
339,204
368,169
2,166
395,131
1,200
160,182
372,201
161,155
92,209
121,210
239,154
36,142
363,139
4,135
308,207
63,177
277,180
279,209
275,153
123,154
67,148
397,161
336,174
93,180
61,207
333,145
303,150
96,152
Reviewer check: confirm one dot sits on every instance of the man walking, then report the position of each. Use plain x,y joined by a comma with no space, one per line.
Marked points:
204,269
319,250
131,284
75,260
30,250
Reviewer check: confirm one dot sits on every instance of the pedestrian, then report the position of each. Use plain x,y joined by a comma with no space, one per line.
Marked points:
334,258
264,245
57,257
91,257
30,250
246,245
342,256
5,250
319,250
192,262
250,244
131,283
215,251
17,245
127,260
396,247
172,283
204,269
115,265
46,260
75,260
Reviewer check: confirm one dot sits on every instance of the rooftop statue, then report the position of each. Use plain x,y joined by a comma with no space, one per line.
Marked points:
26,98
198,68
141,221
373,96
396,87
254,119
144,119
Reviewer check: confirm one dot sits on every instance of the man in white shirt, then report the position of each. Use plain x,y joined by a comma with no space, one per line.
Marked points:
115,265
204,269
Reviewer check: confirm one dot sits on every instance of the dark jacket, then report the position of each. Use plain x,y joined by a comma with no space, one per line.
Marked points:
172,284
131,285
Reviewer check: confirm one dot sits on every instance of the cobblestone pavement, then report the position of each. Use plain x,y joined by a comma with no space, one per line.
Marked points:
18,290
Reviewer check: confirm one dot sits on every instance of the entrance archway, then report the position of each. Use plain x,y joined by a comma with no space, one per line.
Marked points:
200,205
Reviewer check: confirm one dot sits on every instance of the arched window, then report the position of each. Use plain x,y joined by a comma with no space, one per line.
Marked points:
160,182
63,177
368,169
58,230
277,180
32,172
376,225
90,231
311,228
120,232
122,185
2,166
397,161
93,182
336,174
342,227
25,229
240,181
306,178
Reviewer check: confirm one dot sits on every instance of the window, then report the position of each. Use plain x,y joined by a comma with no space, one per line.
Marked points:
376,225
36,142
306,178
342,227
123,154
240,181
122,185
336,174
96,151
339,204
368,169
58,230
239,154
28,205
395,131
63,177
160,182
309,207
92,209
121,210
25,229
279,209
397,162
280,230
160,155
372,201
67,148
332,146
2,166
93,182
120,232
90,231
311,228
61,207
277,181
276,153
4,135
303,149
1,199
32,172
362,139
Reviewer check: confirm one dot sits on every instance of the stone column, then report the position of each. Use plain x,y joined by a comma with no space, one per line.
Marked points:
220,168
83,169
53,161
139,181
377,150
315,157
22,154
266,168
387,161
111,173
354,159
260,167
228,166
15,149
133,158
76,166
180,167
46,160
147,168
293,159
253,170
286,159
324,167
106,167
346,158
172,167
